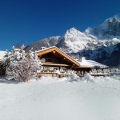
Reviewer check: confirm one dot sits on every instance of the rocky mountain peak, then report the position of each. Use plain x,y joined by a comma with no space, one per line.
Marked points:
72,30
115,19
71,33
108,29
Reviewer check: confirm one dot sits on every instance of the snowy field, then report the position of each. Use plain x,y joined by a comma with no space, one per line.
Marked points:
73,98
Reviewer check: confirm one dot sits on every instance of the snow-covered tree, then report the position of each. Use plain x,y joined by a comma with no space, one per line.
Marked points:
21,66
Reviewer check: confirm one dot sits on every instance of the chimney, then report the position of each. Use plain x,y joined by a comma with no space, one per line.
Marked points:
82,59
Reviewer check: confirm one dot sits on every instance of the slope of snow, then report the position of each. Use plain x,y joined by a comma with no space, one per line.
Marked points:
59,99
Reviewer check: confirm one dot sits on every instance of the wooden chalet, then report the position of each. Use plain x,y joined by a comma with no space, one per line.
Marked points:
55,62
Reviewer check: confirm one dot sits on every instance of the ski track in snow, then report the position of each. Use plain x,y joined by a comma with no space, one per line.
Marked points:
55,99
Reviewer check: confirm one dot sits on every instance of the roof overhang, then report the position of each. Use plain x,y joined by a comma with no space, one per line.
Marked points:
51,64
55,49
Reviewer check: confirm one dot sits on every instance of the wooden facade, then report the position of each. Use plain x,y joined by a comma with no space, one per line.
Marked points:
54,60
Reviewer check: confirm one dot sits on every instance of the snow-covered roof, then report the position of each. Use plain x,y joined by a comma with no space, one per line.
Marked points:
82,61
44,48
2,53
60,51
90,63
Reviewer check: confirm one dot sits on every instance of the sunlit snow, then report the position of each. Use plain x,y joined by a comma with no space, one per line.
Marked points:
88,98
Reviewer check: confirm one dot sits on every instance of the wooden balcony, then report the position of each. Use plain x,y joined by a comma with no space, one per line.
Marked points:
55,64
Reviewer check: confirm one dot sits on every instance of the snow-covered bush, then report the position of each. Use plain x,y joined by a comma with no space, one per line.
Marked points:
73,78
88,77
21,66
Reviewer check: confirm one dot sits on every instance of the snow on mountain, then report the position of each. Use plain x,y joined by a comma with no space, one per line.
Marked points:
109,29
77,44
46,42
73,41
108,34
109,55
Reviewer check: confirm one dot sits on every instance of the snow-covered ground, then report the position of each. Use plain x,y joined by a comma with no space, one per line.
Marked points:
88,98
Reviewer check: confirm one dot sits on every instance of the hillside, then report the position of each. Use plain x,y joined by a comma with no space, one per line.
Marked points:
46,42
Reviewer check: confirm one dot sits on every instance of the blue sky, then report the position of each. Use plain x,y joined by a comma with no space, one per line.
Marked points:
32,20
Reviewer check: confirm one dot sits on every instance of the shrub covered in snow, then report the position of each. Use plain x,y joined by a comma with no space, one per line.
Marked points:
88,77
73,78
21,66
